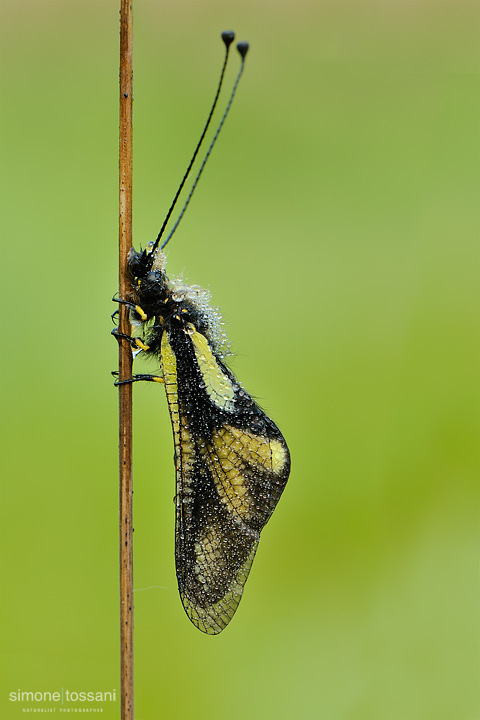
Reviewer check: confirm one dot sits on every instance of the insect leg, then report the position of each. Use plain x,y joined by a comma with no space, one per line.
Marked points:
135,342
137,378
132,306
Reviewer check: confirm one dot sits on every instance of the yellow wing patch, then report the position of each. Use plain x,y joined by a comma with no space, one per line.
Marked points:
218,386
185,452
268,452
169,368
238,461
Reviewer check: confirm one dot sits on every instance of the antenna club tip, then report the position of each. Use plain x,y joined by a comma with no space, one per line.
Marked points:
242,48
228,36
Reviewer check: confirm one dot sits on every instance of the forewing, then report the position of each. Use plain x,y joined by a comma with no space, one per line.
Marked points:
232,464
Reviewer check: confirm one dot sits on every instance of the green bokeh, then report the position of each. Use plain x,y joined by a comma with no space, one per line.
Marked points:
337,226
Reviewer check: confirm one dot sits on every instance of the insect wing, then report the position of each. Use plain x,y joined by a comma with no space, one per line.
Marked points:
232,464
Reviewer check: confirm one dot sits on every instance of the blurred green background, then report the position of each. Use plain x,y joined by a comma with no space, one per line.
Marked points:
336,225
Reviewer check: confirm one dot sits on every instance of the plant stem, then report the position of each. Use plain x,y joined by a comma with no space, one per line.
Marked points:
125,363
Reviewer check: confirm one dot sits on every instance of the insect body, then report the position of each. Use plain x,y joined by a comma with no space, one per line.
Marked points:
231,460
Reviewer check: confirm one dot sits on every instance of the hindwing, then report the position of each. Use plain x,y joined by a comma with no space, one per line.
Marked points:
232,464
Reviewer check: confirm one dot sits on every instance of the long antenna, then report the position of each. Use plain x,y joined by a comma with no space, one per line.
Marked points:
228,37
242,49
